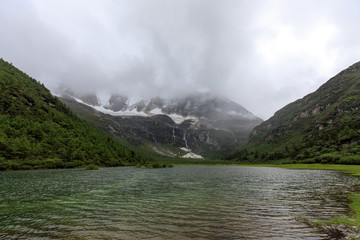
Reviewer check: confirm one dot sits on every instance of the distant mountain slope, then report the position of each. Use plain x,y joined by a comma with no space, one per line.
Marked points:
206,109
39,131
324,126
200,124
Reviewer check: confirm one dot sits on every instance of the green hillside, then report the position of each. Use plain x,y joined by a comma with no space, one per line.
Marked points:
322,127
38,131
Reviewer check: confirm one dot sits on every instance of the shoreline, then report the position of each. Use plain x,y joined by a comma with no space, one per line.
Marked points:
346,227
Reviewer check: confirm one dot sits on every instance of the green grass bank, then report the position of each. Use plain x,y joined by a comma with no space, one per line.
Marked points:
348,169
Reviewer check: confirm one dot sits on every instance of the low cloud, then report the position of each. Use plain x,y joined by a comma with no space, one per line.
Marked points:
261,54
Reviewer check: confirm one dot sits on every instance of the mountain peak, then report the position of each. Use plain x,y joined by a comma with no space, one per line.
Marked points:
204,123
201,105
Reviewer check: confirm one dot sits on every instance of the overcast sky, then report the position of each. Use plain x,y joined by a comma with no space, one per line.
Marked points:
260,54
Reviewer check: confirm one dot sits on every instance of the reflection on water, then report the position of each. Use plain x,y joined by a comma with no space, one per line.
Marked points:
189,202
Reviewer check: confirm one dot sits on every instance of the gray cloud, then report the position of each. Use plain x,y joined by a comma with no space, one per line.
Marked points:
261,54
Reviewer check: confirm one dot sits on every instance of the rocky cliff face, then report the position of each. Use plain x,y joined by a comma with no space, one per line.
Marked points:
207,125
322,126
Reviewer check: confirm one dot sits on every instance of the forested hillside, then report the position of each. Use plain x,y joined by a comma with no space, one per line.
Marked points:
322,127
38,131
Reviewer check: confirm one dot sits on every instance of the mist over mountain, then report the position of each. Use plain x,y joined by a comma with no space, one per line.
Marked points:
201,124
204,107
261,54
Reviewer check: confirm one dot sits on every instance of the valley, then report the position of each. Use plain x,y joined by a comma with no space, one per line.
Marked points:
179,120
40,131
323,127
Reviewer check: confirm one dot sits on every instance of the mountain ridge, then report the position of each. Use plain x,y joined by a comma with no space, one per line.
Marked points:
199,123
323,126
39,131
195,105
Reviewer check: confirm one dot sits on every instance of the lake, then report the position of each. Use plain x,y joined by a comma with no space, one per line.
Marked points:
184,202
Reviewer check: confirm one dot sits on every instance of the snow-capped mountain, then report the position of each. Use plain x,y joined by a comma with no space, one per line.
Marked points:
205,109
197,124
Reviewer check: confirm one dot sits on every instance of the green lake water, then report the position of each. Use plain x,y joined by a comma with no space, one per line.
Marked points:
184,202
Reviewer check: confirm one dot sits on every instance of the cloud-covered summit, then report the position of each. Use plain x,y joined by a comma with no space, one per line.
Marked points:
261,54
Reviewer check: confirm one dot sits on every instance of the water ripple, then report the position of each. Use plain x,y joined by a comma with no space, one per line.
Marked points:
178,203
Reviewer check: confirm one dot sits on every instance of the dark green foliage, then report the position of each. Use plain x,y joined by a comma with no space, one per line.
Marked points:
92,167
156,165
161,165
38,131
323,127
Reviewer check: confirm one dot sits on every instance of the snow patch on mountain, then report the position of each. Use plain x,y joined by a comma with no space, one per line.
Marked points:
190,154
81,101
178,119
204,109
156,111
102,109
132,111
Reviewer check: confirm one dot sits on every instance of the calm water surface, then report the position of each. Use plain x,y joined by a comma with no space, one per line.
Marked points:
191,202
